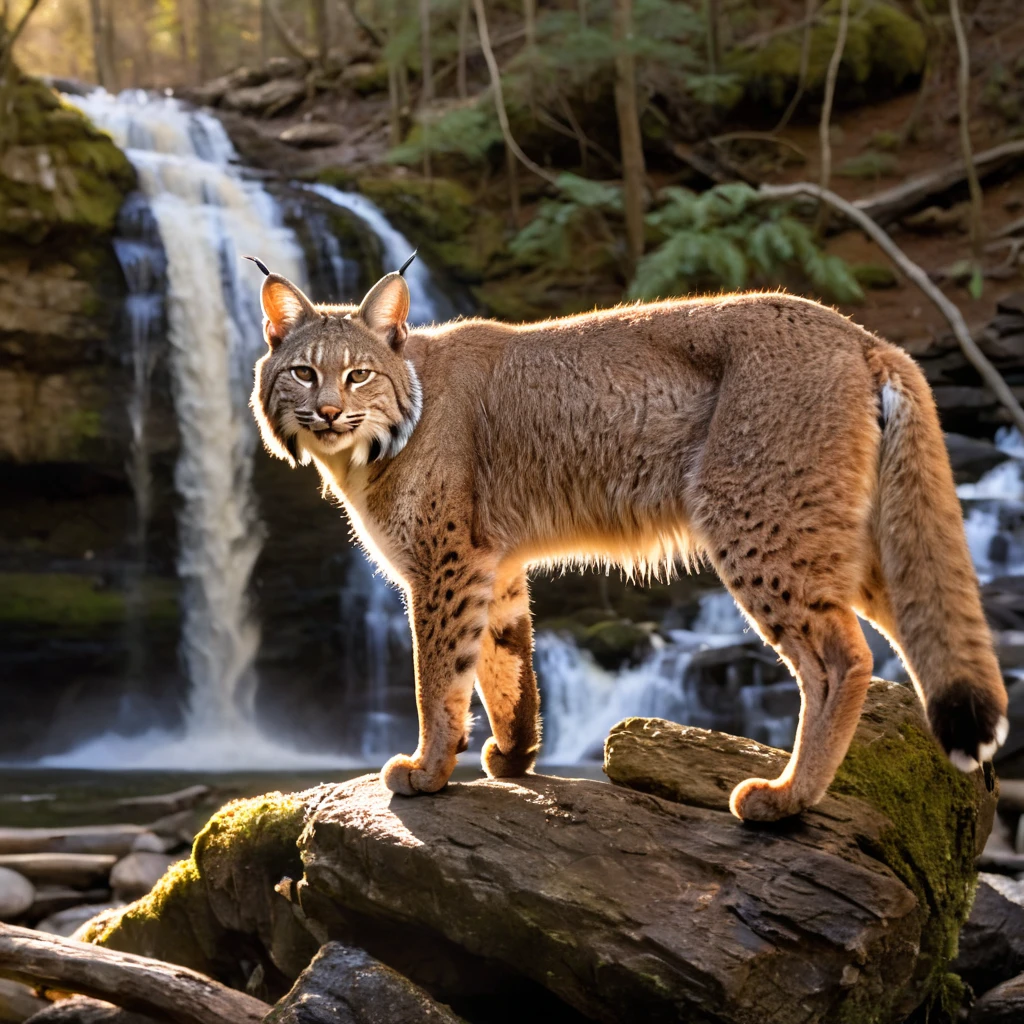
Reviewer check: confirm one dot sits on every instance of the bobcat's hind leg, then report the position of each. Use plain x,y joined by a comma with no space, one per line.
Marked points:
448,614
798,593
833,668
507,684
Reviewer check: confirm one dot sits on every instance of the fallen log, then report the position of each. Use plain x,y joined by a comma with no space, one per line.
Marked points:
80,870
124,979
894,203
83,1010
115,839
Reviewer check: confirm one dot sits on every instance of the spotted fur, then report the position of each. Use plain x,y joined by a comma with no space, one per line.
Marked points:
797,453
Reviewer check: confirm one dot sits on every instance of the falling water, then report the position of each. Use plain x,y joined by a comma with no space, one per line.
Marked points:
208,217
427,302
141,256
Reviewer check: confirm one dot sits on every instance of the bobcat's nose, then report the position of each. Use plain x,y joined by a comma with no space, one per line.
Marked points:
329,412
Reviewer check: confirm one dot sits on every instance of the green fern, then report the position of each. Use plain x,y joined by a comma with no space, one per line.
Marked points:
726,237
469,132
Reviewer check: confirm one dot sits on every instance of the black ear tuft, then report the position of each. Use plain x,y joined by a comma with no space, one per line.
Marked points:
259,263
405,266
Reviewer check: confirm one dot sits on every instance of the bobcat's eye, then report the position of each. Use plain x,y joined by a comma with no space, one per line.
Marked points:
360,376
304,374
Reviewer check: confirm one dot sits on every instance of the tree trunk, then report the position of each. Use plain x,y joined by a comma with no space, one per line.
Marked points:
460,72
427,87
205,41
266,31
963,100
530,46
183,40
825,124
322,30
102,46
630,139
711,17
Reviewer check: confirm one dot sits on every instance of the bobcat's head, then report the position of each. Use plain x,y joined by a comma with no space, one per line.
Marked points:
334,377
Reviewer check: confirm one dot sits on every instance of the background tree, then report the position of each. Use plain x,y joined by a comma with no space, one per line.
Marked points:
630,138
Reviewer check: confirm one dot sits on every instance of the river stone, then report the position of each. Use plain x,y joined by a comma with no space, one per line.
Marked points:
18,1002
632,907
16,894
348,986
67,922
80,870
992,941
310,134
133,876
266,99
1003,1004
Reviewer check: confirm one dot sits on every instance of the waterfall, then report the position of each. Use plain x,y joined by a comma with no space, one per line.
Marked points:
208,216
141,255
582,700
426,300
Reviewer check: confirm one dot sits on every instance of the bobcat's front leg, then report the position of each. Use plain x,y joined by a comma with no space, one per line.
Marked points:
448,605
507,682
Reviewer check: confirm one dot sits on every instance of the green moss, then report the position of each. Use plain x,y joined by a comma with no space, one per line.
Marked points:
58,172
443,218
70,601
884,47
875,275
869,165
197,914
929,844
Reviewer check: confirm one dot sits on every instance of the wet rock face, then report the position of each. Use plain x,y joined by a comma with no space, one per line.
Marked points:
347,986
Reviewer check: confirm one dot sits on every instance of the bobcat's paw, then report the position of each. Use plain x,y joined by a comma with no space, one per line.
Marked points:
761,800
403,775
505,766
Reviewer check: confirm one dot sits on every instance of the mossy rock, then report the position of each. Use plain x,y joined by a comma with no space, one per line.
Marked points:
58,173
443,218
884,48
612,642
219,908
896,798
875,275
69,602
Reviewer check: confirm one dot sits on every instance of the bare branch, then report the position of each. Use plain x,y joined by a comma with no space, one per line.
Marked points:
825,171
375,37
805,63
499,99
287,36
963,98
989,374
135,982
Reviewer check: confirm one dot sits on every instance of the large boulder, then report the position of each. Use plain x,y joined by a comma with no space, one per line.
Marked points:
992,941
610,903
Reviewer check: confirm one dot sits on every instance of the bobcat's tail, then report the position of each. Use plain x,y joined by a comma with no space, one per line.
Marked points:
933,612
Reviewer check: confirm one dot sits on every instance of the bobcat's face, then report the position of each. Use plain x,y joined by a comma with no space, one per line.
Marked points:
334,378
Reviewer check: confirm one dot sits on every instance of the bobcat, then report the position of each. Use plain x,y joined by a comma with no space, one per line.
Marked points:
797,453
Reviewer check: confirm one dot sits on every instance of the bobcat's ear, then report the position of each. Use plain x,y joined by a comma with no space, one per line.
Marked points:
285,307
386,309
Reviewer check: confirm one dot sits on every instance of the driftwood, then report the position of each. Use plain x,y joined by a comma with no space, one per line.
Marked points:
988,373
116,839
134,982
80,870
894,203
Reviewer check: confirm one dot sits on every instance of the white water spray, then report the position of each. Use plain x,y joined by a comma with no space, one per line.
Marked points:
208,218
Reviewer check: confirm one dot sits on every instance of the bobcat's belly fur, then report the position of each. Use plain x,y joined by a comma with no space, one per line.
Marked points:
796,452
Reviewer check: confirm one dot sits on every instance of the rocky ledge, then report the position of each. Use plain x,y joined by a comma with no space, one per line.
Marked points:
643,900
